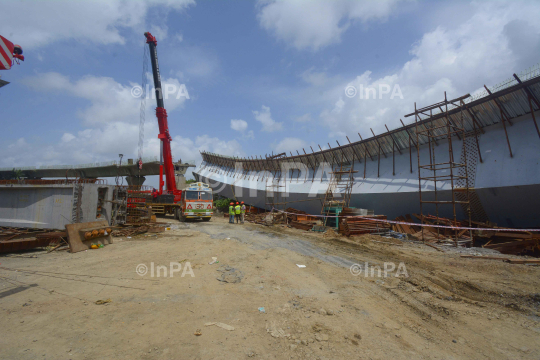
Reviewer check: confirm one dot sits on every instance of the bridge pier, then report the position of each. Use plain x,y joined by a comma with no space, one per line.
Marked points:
180,182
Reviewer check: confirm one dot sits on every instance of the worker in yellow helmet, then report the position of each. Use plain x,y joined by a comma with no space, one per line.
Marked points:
237,211
243,209
231,213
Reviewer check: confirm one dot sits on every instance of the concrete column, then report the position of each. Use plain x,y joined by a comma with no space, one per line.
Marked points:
180,182
135,180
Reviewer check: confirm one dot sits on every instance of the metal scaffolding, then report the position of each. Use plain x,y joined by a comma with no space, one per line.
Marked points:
274,195
437,172
338,194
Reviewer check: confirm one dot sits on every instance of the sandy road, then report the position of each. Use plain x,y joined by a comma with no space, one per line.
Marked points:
448,308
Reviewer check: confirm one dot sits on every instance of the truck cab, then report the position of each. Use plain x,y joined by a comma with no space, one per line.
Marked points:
196,202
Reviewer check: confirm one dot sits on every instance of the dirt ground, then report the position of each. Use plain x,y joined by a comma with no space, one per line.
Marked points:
447,308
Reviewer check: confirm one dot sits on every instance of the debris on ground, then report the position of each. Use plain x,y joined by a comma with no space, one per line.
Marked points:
331,234
505,241
276,332
505,259
306,226
361,224
353,222
290,216
14,239
101,302
311,313
230,274
221,325
133,230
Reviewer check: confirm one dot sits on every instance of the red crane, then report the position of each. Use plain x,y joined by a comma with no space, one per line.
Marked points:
166,164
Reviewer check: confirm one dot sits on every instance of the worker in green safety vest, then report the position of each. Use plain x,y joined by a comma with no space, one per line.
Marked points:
237,211
243,209
231,213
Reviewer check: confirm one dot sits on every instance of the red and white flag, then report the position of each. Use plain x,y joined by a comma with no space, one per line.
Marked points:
6,53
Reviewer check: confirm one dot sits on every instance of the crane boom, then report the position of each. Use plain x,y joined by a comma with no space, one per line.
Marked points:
166,164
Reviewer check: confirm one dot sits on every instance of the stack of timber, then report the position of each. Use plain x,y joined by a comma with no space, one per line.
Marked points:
306,226
508,241
295,218
404,228
258,218
436,234
352,224
13,239
300,219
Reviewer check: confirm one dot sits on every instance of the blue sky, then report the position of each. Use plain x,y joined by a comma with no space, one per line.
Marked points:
262,76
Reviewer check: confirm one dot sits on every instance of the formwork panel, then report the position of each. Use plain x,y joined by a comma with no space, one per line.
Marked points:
51,206
35,206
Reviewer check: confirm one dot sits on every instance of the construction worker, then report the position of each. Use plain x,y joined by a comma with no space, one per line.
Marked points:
237,211
231,213
243,210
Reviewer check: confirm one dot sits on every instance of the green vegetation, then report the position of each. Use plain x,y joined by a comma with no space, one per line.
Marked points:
223,203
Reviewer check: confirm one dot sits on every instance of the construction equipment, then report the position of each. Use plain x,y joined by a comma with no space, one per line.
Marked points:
165,156
9,53
141,204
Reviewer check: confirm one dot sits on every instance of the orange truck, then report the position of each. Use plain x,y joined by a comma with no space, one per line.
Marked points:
196,203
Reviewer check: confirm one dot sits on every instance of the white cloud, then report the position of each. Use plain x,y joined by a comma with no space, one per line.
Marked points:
102,22
289,144
67,137
194,61
104,144
19,144
303,118
179,37
317,23
484,49
109,100
112,120
314,78
101,143
265,118
239,125
160,32
188,149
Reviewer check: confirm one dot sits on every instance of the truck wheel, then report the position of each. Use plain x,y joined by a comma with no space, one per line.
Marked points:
181,216
206,219
178,215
